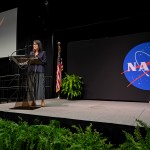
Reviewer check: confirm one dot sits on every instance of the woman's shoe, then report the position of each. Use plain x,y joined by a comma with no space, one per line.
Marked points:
42,103
33,103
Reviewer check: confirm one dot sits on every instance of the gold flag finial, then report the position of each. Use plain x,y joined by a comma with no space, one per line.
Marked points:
59,48
58,43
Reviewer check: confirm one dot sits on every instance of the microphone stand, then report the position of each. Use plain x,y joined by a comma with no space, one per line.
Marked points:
10,57
22,49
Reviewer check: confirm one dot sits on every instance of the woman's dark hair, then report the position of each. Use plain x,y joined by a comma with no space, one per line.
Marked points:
39,44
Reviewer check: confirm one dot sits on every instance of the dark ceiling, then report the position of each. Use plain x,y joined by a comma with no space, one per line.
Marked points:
62,14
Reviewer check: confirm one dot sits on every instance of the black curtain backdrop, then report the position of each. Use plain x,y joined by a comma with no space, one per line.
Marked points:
94,42
100,62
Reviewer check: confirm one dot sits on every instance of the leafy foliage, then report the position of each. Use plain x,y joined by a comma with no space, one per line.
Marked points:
89,139
22,136
72,86
140,140
48,137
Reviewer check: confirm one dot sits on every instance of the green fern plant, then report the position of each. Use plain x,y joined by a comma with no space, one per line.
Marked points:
72,86
140,140
89,139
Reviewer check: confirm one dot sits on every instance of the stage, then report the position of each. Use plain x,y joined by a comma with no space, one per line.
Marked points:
111,116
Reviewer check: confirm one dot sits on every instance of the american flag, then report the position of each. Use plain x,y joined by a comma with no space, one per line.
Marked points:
58,73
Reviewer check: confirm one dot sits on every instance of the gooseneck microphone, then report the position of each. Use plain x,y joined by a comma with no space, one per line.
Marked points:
27,46
22,49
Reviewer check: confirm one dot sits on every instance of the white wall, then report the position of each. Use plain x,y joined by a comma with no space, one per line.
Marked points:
8,32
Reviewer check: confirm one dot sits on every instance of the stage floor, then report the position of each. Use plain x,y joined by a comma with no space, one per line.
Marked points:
123,113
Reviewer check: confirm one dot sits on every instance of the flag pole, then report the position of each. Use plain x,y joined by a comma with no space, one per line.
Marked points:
58,95
58,77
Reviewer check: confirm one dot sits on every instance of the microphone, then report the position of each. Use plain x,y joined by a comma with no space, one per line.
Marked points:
22,49
28,46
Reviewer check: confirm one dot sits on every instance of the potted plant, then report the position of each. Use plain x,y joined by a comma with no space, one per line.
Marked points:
72,86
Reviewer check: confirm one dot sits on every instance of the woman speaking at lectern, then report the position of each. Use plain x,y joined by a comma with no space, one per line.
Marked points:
36,75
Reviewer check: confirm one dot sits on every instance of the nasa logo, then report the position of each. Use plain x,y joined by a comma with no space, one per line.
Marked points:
136,66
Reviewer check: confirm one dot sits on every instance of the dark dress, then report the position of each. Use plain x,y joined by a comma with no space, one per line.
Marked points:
36,78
